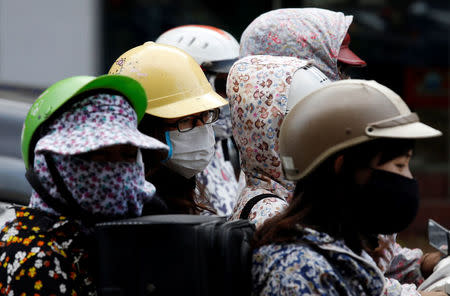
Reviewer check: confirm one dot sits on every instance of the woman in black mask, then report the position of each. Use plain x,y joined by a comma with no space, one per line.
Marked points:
349,146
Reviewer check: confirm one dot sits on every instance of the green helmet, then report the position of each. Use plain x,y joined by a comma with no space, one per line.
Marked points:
57,95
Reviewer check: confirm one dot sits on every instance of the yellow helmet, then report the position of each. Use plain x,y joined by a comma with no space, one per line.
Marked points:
174,83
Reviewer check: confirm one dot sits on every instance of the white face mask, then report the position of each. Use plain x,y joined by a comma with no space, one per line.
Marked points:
190,152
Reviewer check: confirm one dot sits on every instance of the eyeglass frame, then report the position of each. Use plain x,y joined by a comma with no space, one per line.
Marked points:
194,117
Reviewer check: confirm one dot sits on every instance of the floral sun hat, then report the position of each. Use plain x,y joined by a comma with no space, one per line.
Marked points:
306,33
95,122
107,189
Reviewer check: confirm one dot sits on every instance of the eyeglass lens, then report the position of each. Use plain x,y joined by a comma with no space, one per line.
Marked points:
189,122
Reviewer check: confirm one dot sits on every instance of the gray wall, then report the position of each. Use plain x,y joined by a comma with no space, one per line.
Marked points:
44,41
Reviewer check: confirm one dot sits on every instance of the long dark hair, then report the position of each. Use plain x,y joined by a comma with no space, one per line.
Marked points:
320,200
182,196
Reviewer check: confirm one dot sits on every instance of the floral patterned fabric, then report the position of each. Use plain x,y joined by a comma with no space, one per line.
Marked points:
401,266
93,123
219,179
307,33
393,286
315,265
257,88
109,189
405,265
45,255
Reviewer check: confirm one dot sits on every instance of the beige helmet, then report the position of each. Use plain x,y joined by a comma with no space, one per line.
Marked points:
174,83
341,115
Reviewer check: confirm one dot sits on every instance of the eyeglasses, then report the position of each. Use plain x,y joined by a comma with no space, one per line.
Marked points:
188,123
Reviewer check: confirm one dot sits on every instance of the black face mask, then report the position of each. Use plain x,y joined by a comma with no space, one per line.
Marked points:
387,204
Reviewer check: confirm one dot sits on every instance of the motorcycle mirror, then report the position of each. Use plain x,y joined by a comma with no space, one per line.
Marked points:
438,236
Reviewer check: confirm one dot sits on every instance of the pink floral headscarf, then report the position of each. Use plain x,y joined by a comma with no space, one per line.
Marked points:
109,189
257,88
306,33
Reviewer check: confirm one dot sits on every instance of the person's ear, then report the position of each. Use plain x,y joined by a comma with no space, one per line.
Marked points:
338,162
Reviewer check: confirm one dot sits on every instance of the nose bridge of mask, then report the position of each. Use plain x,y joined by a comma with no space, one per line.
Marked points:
195,140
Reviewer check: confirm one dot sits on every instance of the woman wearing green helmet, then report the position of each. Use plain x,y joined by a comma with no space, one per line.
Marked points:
81,148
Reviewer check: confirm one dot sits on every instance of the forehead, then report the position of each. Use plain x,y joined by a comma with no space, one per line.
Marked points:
378,159
407,154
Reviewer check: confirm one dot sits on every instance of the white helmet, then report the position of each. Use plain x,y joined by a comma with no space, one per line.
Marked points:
212,48
304,81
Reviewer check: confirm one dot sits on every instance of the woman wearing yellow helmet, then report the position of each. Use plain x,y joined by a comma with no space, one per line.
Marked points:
181,107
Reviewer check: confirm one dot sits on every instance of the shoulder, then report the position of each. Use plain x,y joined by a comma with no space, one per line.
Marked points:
262,210
395,288
33,228
282,269
265,209
39,255
283,256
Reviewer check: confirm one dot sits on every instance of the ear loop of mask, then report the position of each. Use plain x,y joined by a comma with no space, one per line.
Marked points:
169,143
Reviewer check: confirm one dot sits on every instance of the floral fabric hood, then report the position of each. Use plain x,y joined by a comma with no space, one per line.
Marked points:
306,33
257,88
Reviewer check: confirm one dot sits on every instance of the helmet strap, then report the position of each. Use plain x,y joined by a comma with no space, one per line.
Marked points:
34,181
71,208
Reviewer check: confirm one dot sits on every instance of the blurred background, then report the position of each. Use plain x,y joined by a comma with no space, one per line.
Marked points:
405,44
